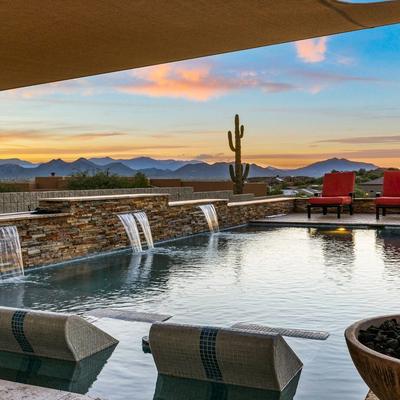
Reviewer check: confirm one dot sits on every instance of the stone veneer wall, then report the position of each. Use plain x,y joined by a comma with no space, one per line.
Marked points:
82,226
28,201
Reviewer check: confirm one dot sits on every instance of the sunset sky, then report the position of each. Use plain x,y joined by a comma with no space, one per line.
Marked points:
336,96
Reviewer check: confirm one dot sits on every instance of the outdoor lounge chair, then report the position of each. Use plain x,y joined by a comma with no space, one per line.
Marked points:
390,197
337,191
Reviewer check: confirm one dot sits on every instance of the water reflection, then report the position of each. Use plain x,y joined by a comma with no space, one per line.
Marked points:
388,245
170,388
338,252
71,376
291,277
110,280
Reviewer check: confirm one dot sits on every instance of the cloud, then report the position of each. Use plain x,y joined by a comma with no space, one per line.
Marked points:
363,140
13,134
359,154
312,50
48,152
48,134
97,135
76,86
316,81
194,81
345,60
336,111
211,157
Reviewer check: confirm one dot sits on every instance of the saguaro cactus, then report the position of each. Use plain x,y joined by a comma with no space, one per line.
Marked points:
238,175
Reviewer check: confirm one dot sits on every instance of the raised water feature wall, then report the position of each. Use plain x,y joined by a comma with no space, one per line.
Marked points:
81,226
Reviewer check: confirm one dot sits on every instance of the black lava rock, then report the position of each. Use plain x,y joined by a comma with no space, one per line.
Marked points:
385,338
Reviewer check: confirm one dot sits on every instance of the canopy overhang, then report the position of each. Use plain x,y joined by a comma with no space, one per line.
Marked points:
51,40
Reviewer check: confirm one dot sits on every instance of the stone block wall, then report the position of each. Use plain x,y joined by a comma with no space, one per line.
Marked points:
29,201
82,226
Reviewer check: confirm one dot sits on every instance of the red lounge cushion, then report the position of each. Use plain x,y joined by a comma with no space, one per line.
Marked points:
391,184
387,201
329,200
338,184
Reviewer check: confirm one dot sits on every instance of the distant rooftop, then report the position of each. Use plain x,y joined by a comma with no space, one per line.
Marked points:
378,181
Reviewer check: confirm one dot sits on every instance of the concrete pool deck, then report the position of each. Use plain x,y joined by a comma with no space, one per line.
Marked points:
356,220
20,391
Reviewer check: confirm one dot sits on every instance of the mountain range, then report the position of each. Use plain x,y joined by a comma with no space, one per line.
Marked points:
16,169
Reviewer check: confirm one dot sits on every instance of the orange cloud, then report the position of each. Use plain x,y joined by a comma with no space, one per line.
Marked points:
312,50
168,81
193,82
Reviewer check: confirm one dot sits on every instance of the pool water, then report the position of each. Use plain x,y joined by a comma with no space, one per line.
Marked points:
306,278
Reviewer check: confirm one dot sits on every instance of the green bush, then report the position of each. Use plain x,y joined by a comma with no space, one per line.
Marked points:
104,180
275,190
9,187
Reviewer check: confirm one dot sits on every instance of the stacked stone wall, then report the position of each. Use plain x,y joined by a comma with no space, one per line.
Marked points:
77,227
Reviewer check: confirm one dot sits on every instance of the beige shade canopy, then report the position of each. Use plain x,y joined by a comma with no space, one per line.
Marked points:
45,41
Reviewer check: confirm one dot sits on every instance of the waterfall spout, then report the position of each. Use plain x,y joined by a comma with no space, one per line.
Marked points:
145,225
11,264
211,217
131,229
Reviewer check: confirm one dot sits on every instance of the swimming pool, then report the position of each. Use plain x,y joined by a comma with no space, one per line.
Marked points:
309,278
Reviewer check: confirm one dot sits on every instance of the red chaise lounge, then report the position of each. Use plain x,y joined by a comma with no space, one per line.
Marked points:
337,191
390,197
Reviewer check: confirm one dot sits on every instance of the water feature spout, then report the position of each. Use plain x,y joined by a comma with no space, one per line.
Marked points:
131,229
211,217
145,225
11,264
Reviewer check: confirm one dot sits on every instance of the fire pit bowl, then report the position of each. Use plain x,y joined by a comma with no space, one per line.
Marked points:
380,372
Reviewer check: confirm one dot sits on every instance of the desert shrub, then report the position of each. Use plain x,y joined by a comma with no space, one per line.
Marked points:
9,187
275,190
358,193
105,180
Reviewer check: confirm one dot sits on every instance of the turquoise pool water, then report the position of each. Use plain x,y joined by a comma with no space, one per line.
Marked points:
286,277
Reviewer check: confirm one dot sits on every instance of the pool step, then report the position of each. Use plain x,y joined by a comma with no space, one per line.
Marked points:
127,315
296,333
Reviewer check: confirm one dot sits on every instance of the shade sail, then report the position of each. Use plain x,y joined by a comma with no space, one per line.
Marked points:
51,40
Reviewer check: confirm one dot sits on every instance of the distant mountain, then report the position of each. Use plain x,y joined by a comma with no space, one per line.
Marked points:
140,163
220,170
101,160
322,167
17,161
62,168
194,171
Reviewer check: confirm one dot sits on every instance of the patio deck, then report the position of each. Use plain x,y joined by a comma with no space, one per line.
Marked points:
356,220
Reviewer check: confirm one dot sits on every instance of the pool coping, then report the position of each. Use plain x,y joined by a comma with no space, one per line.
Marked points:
4,218
104,197
10,390
322,224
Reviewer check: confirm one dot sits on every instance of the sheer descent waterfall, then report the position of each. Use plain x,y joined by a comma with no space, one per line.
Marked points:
131,229
145,225
211,217
11,263
129,222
